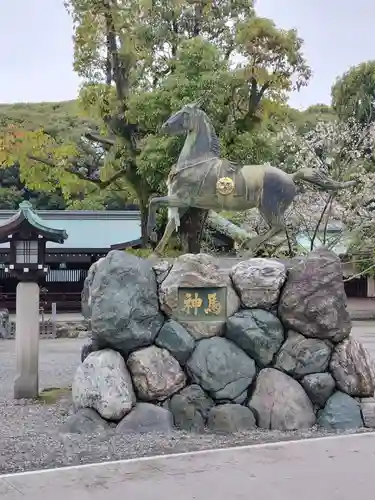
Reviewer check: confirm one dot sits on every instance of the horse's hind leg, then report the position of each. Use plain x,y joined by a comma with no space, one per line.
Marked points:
277,226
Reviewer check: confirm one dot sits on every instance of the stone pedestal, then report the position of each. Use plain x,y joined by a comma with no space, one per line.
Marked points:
27,340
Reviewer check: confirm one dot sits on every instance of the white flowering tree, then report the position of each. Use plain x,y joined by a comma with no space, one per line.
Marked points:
343,150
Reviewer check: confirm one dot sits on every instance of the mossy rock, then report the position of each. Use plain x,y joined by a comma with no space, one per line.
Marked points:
52,395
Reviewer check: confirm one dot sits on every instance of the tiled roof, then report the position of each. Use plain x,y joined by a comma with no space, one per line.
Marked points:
88,229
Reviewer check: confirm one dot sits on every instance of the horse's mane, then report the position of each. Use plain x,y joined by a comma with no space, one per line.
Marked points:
215,142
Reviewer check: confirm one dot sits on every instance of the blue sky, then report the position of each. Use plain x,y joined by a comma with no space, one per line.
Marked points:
37,51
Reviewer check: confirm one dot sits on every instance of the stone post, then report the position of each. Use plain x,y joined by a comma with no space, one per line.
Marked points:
370,287
26,384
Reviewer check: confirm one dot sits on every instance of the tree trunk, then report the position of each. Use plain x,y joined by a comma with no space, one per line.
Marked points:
224,226
144,219
191,228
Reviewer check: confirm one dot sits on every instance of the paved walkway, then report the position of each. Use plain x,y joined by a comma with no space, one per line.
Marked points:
339,468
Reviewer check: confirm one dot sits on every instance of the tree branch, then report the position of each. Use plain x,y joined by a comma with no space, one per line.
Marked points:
107,141
328,201
359,274
198,14
118,71
256,95
98,182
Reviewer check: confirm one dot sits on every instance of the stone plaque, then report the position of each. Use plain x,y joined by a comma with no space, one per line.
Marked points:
202,304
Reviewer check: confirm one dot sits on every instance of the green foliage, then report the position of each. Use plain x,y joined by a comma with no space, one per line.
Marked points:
353,94
63,120
140,61
10,198
144,253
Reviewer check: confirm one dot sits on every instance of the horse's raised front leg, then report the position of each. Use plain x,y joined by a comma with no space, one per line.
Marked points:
171,201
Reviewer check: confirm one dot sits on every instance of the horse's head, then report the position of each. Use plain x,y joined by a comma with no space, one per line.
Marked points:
183,121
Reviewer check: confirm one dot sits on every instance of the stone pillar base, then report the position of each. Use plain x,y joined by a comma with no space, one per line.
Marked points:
26,384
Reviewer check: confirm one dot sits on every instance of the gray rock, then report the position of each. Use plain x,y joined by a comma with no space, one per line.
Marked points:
259,333
230,418
85,421
258,282
221,368
368,411
161,270
341,412
86,349
319,387
156,374
300,356
146,417
190,408
124,303
241,398
102,382
176,340
5,326
352,369
72,329
280,403
313,300
197,270
86,291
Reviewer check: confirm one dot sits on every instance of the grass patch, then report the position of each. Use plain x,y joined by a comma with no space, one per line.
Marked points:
146,252
52,395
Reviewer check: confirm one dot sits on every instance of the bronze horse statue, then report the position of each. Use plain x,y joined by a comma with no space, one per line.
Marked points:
203,180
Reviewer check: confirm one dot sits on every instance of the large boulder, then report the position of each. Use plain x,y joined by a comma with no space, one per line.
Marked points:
195,271
340,412
124,303
259,333
258,282
319,387
300,356
368,411
352,369
103,383
280,403
313,300
177,340
156,374
85,421
229,418
222,369
146,417
86,349
86,291
190,408
161,270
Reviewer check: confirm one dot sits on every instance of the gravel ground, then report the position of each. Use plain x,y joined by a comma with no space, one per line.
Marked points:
35,443
29,431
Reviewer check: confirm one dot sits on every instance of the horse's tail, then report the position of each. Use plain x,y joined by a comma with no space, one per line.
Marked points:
316,177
